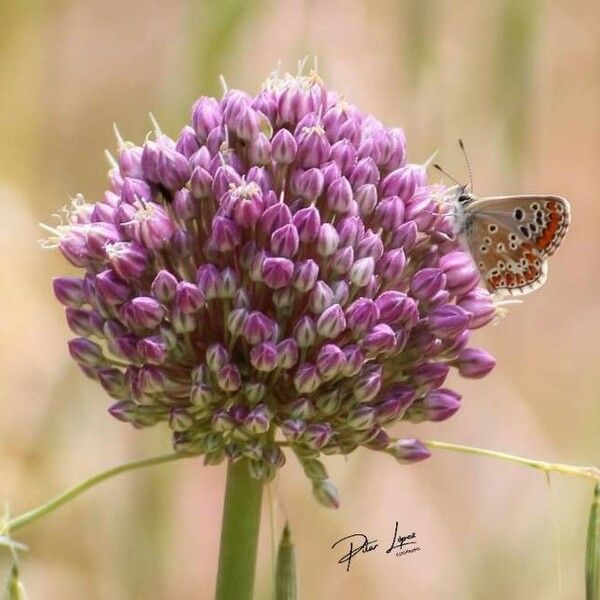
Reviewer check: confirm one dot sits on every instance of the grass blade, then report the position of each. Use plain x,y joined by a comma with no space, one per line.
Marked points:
286,587
592,555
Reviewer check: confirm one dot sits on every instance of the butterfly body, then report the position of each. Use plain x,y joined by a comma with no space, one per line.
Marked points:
511,237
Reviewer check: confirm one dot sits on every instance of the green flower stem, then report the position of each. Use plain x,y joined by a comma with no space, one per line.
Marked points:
72,493
239,533
588,472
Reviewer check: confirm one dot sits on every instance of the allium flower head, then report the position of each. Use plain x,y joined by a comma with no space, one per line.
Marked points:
279,275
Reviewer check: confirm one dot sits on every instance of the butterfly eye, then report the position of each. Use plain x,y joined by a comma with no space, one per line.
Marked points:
533,227
501,247
519,214
524,230
492,228
483,248
535,206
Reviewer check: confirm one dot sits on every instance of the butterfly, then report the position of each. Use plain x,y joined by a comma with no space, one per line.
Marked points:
509,237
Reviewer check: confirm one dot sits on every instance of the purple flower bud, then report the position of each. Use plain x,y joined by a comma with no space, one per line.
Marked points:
480,305
164,286
426,283
245,124
351,230
361,315
151,227
313,147
320,298
331,361
326,493
430,375
305,275
257,421
475,363
283,147
165,166
180,419
367,387
274,217
364,172
292,429
305,332
328,240
187,144
277,272
229,378
188,298
134,190
342,260
206,116
99,235
354,360
362,271
380,340
112,289
462,275
394,403
113,381
366,199
185,206
225,178
225,234
370,245
390,213
306,379
216,357
86,352
361,418
236,321
302,408
438,405
143,312
339,195
391,265
126,347
308,184
201,395
259,151
151,379
403,181
124,411
397,308
247,203
258,328
285,241
332,322
448,321
229,283
130,161
264,357
152,349
405,236
69,291
409,451
201,183
222,421
344,155
208,279
84,322
287,353
317,435
307,222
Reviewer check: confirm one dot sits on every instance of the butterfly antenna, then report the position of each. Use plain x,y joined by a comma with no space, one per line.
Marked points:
462,147
436,166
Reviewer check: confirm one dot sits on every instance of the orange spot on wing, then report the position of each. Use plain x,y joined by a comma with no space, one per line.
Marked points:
549,234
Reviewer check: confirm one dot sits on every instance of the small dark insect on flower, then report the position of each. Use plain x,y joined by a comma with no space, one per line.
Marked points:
278,273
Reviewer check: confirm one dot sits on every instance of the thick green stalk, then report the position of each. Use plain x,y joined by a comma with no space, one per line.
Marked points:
239,534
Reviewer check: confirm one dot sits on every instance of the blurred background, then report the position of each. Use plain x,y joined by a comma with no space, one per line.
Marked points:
519,80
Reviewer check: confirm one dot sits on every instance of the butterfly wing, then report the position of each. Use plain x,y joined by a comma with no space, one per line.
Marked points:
541,220
511,237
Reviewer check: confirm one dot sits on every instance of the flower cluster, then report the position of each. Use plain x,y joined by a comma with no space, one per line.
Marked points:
276,276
